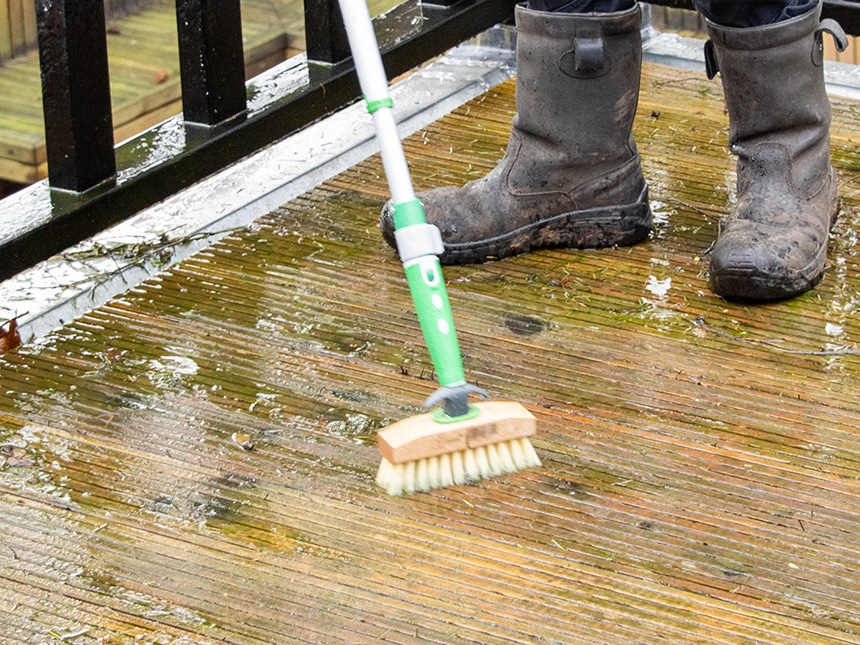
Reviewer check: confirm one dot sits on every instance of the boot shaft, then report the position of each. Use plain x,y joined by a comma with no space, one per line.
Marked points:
773,81
578,80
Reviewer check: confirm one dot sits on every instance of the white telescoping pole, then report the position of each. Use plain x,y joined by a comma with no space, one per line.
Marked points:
374,86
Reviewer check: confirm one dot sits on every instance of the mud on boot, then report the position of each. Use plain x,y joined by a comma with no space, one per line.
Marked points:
571,174
773,245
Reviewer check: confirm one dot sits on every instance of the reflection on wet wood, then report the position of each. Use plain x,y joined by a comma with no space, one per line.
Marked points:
700,459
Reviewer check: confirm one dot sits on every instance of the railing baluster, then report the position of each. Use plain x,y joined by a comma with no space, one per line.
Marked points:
75,93
324,33
211,60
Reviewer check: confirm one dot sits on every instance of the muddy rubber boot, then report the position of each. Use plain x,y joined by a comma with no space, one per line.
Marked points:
571,175
773,245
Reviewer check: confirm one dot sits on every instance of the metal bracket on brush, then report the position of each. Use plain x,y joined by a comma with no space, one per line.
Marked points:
455,399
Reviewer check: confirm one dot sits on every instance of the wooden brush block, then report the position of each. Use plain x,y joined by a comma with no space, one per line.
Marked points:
420,437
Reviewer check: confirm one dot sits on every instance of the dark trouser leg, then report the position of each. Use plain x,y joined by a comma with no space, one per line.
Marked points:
581,6
752,13
728,13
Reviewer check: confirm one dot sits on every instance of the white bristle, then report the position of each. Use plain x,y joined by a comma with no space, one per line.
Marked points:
518,455
384,473
390,477
456,468
432,473
471,472
505,457
530,457
446,471
421,477
484,470
495,461
409,477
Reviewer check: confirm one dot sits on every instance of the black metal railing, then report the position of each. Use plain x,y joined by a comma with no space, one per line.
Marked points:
92,184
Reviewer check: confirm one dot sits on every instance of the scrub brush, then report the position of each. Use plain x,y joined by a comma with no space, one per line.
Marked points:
459,442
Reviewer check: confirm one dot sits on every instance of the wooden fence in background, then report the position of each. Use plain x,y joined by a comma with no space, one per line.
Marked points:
18,23
17,28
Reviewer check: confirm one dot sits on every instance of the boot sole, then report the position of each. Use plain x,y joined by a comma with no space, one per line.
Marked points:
591,228
745,285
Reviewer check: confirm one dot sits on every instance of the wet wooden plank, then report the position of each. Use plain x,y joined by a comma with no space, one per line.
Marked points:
700,459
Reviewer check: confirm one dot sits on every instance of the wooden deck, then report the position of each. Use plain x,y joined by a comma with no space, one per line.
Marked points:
193,462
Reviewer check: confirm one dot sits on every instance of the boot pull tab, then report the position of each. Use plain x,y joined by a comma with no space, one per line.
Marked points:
839,39
587,59
711,64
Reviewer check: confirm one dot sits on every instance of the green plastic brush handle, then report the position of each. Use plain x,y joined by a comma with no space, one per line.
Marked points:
430,295
418,242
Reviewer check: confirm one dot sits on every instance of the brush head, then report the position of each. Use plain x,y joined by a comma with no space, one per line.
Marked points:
423,436
420,453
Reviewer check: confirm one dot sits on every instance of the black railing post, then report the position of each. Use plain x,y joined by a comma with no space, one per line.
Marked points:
211,60
325,35
75,93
